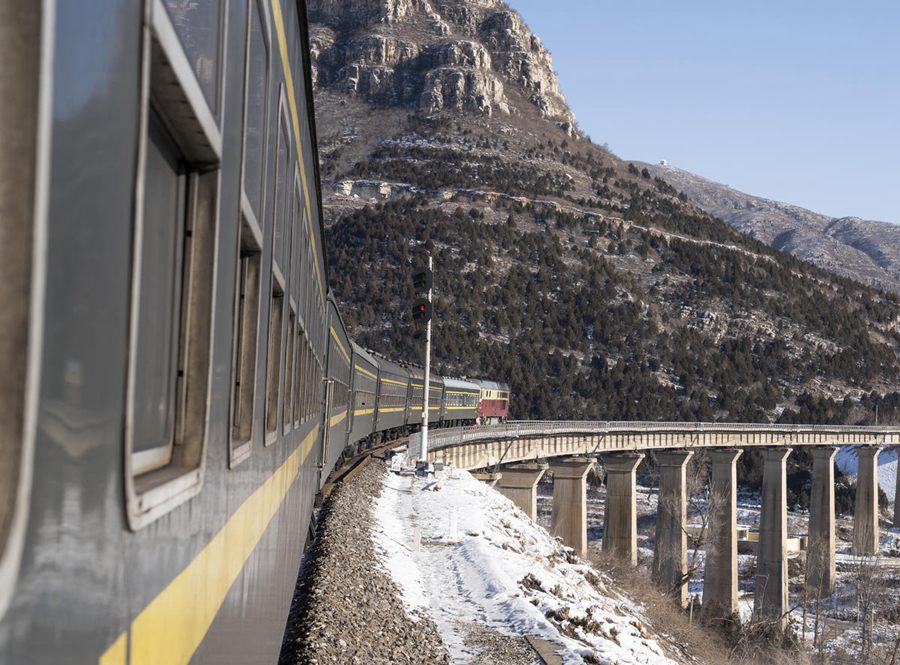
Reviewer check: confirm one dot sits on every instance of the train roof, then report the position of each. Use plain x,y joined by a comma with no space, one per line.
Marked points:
362,353
387,365
459,384
417,372
490,385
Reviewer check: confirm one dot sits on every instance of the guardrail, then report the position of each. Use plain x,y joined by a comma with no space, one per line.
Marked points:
454,436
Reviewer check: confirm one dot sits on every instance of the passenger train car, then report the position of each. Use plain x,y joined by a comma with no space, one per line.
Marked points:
177,381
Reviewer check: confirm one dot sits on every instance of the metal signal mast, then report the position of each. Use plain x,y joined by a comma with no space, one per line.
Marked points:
423,280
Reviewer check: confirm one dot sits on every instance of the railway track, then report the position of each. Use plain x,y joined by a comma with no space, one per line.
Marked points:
354,465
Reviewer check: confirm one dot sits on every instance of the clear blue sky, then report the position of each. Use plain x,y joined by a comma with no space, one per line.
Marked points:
793,100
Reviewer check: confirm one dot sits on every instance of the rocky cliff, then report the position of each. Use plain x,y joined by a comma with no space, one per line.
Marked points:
864,250
434,55
595,289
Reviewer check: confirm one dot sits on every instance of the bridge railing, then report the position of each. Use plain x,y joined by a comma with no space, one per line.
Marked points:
454,436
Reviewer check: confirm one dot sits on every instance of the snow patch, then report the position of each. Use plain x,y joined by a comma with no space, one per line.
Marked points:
465,554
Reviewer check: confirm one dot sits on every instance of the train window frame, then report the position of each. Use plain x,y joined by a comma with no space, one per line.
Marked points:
171,97
245,341
273,359
281,196
280,213
301,369
265,21
291,312
26,74
287,418
219,91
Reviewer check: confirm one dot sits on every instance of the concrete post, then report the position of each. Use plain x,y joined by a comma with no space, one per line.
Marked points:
489,478
865,516
620,514
820,562
519,485
771,597
569,520
720,575
670,546
897,493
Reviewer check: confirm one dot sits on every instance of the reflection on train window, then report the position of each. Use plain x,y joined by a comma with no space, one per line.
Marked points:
281,194
299,220
246,325
159,302
255,100
289,372
198,25
299,374
273,365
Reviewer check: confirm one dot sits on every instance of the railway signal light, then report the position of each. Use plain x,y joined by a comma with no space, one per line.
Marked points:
423,280
421,310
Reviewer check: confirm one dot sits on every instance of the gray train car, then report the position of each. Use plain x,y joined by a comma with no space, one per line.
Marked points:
393,397
460,403
416,396
435,399
338,396
364,382
162,289
165,331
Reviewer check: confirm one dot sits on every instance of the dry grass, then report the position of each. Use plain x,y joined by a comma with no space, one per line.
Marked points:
691,641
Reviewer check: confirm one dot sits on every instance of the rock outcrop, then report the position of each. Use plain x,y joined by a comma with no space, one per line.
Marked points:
432,56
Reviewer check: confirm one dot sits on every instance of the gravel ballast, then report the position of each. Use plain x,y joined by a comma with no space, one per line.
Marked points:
346,609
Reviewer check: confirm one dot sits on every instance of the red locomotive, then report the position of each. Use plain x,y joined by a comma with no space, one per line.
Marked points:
493,405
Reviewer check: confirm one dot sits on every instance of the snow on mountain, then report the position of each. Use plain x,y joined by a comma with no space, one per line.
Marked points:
864,250
846,461
467,556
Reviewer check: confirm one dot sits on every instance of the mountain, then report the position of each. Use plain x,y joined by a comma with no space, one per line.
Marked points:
595,289
864,250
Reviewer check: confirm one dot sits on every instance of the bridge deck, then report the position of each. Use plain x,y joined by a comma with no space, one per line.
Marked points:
479,447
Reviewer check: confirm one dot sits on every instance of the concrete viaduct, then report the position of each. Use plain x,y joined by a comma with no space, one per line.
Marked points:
514,456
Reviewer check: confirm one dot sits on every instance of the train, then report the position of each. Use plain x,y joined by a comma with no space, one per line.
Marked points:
177,383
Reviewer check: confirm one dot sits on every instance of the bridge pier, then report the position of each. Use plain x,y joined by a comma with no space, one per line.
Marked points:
519,484
720,575
897,493
670,546
820,560
771,595
569,521
865,515
620,513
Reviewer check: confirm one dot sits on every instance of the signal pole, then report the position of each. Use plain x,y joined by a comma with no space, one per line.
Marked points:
427,375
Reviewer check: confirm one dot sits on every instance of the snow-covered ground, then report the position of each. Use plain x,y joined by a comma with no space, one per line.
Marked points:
838,613
846,461
467,556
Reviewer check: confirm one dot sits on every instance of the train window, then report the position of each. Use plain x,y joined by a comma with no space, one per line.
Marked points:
172,281
256,94
246,328
156,362
287,418
300,378
282,191
198,25
273,365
